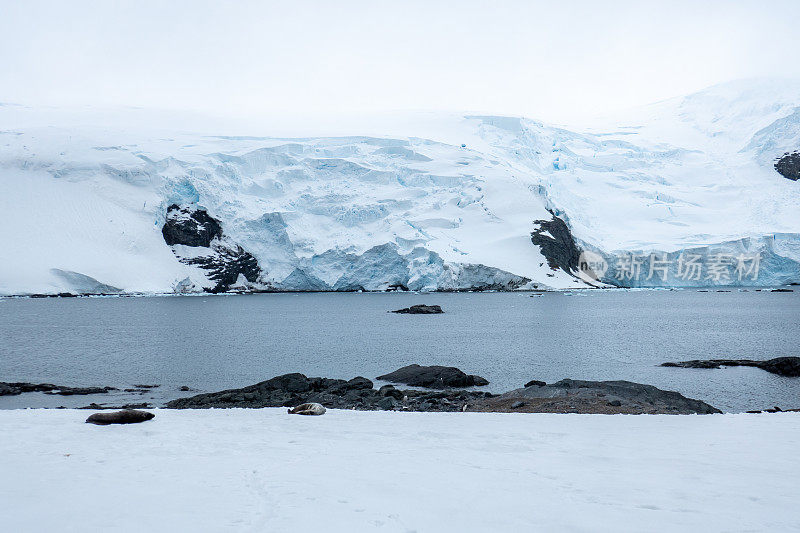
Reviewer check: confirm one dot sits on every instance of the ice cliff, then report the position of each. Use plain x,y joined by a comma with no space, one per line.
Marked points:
95,201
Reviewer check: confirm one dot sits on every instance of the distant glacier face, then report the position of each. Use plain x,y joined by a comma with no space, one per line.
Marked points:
469,204
751,262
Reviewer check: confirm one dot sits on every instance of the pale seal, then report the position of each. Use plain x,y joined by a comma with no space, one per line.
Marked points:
308,409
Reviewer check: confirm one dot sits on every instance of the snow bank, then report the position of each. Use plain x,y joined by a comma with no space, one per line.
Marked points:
263,470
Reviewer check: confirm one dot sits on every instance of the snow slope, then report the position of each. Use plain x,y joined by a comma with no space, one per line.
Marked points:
86,192
264,470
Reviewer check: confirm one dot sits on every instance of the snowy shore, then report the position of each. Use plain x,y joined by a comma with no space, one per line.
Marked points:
263,470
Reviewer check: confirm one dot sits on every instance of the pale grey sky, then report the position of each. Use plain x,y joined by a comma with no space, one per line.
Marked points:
551,60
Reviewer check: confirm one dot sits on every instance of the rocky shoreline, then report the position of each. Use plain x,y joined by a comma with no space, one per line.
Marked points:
432,389
565,396
535,290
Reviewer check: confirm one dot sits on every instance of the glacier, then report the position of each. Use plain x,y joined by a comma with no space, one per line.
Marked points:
425,201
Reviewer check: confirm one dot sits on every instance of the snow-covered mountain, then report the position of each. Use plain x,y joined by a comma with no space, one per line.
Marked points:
131,201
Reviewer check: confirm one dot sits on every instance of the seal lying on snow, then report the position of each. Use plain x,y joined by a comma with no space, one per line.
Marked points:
307,409
127,416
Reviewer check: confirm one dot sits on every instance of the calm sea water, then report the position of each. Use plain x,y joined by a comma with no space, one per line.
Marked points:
216,342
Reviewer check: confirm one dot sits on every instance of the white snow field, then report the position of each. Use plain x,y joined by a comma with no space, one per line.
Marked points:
264,470
84,192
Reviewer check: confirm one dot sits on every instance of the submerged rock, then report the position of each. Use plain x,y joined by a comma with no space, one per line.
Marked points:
420,309
783,366
127,416
433,377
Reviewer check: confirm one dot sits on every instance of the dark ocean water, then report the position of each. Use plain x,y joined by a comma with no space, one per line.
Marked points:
216,342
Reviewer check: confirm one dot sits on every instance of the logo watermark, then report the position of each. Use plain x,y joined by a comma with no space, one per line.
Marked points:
714,268
592,266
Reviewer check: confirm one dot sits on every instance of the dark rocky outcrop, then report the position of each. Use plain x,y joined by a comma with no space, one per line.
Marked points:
224,261
565,396
535,383
12,389
433,377
604,397
127,416
190,227
788,165
783,366
292,390
420,309
557,244
225,265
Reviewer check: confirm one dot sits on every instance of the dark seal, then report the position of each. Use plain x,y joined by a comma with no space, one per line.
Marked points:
127,416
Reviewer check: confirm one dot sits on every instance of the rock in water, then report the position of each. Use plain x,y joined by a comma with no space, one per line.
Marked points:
127,416
783,366
535,382
564,396
358,393
571,395
10,389
308,409
420,309
433,377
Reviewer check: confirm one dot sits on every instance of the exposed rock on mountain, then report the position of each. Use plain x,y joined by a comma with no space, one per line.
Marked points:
788,166
196,239
190,226
557,244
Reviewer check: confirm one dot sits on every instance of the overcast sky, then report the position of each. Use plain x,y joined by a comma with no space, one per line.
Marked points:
549,60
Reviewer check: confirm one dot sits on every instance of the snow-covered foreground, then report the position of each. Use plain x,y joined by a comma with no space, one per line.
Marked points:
263,470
